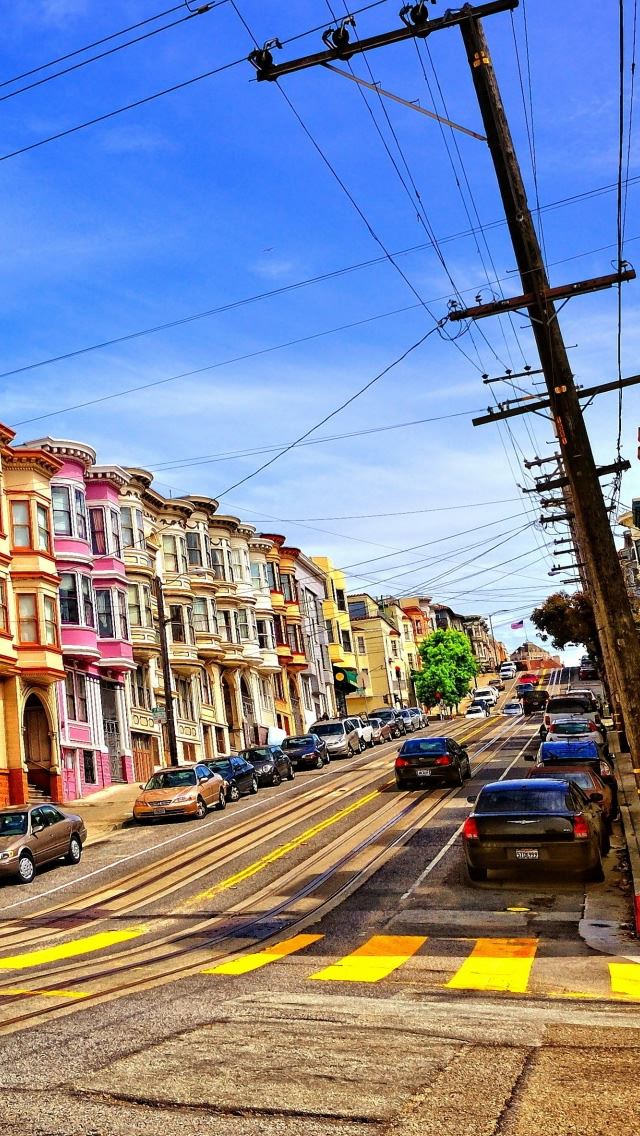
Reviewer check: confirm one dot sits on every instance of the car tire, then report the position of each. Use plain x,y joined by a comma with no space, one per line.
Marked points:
234,792
277,779
222,801
201,808
26,868
291,774
477,875
319,762
605,846
362,745
469,774
74,854
254,786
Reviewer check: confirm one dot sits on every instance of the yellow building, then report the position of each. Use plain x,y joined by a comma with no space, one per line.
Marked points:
30,654
340,634
287,617
383,637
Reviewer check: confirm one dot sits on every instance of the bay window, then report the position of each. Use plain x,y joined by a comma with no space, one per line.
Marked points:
176,619
289,588
116,542
81,513
140,693
61,510
104,608
44,528
201,620
76,696
265,634
69,611
28,631
132,525
194,550
51,637
185,698
21,524
257,576
70,692
98,534
237,567
135,608
245,630
87,601
173,551
123,621
216,562
273,576
4,612
206,693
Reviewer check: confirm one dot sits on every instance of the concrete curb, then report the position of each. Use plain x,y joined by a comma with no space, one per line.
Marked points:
629,799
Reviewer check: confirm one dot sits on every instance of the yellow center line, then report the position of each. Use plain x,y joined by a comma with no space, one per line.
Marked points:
625,979
84,946
497,964
262,958
375,959
18,990
284,849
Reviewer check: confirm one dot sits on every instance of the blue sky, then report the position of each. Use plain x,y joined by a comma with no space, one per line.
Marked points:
214,194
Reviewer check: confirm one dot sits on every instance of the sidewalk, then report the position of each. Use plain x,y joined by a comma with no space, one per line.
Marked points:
105,811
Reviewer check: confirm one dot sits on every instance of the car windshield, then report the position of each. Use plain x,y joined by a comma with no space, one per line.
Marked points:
172,779
256,753
323,729
567,706
375,722
513,706
522,801
424,745
571,728
13,824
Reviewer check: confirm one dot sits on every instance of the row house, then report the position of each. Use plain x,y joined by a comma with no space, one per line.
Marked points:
629,556
385,680
477,631
290,647
318,691
93,720
339,633
31,663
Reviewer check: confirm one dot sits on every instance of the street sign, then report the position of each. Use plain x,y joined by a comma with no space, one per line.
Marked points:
158,713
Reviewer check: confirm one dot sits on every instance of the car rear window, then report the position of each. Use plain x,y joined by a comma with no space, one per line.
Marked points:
571,728
522,801
424,745
575,775
13,824
567,706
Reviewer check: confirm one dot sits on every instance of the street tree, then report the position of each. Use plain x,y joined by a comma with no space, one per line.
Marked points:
448,668
567,620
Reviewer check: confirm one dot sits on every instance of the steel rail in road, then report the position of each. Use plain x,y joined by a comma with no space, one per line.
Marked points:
165,960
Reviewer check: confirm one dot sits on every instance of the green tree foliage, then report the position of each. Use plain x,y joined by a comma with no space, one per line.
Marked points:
565,620
448,668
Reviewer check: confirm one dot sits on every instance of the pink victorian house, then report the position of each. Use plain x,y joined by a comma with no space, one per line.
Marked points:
95,737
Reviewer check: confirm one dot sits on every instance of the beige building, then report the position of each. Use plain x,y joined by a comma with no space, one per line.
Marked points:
380,642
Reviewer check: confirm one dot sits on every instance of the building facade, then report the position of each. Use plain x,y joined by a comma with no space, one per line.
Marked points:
30,652
339,633
380,642
318,691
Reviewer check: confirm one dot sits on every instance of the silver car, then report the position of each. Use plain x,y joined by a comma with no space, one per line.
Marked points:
340,735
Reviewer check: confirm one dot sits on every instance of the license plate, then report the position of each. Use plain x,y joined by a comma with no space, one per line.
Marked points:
423,772
526,853
159,812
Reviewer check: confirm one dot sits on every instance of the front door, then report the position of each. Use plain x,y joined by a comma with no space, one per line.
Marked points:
37,745
111,730
142,757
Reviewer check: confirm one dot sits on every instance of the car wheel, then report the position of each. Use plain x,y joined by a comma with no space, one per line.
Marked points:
291,773
457,779
605,846
234,792
468,774
277,779
254,785
26,868
75,851
222,800
476,875
201,808
319,762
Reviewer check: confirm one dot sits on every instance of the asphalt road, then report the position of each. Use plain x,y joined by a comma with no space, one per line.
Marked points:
316,960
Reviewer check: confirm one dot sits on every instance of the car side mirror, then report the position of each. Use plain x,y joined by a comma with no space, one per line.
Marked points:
141,786
596,797
36,829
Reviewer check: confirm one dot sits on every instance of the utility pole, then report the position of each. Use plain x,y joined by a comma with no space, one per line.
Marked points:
166,674
595,538
596,545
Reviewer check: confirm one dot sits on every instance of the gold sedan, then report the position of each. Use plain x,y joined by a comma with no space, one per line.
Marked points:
180,790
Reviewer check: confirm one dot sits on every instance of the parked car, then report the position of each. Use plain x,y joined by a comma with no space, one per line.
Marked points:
33,835
339,735
589,781
419,716
382,731
410,723
568,706
238,774
588,670
308,751
524,688
579,752
422,761
181,790
551,823
583,729
590,695
478,710
387,714
530,676
508,670
486,692
512,709
270,762
365,732
497,683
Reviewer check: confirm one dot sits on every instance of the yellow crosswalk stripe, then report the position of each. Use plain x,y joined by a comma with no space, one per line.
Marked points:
12,991
375,959
625,979
254,961
496,964
69,950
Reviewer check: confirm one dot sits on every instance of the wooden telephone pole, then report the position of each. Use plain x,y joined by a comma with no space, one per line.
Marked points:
596,544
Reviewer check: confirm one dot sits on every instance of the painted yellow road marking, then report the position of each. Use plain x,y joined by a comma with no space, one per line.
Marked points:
12,991
625,979
69,950
496,964
263,958
284,849
375,959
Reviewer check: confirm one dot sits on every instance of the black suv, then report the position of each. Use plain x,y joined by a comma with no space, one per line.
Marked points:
270,763
239,775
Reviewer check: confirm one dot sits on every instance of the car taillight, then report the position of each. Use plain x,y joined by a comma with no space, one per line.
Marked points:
593,727
580,828
604,769
547,720
401,762
444,760
470,829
